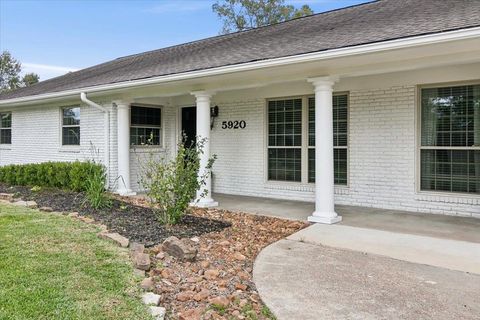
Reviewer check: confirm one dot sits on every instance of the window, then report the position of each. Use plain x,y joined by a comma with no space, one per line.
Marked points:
145,126
286,146
450,139
6,128
340,139
71,126
285,140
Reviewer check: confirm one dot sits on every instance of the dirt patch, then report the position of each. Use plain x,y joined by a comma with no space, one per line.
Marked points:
136,222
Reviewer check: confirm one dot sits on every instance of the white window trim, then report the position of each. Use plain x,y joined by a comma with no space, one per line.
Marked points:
11,126
304,169
74,147
418,143
154,147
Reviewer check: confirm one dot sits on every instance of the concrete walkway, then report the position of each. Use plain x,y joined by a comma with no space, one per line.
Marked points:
299,280
439,226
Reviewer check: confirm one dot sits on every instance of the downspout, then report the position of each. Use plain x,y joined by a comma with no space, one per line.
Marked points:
83,97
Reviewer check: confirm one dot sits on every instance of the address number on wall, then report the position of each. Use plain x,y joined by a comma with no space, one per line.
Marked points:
234,124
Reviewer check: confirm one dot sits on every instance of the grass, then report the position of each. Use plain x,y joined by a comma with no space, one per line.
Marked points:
53,267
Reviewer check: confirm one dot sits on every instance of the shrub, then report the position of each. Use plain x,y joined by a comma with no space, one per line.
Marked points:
172,184
63,175
95,190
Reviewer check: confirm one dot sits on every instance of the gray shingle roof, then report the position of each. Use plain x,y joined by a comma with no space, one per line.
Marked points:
367,23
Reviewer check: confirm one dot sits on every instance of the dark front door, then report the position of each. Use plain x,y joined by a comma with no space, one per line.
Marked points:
189,125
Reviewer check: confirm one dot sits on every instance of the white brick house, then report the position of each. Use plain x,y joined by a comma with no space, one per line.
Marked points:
399,81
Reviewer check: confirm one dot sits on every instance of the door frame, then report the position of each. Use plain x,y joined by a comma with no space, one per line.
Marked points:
178,134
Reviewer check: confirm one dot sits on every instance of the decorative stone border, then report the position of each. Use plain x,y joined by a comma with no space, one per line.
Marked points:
141,260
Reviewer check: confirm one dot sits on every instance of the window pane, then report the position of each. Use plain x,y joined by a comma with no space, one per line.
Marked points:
311,122
340,120
340,162
311,165
340,138
285,122
451,116
71,136
71,116
5,120
5,136
144,116
145,136
450,170
285,164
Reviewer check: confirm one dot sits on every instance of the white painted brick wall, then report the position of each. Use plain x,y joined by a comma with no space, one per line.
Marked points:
36,136
381,151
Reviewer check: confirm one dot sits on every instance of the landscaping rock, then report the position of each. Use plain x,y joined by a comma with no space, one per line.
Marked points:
185,295
46,209
211,274
115,237
158,313
142,261
20,203
202,295
135,248
87,220
160,255
147,284
220,301
138,272
7,196
151,299
179,249
31,204
238,256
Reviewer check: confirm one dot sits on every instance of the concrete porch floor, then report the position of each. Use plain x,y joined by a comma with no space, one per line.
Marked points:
439,226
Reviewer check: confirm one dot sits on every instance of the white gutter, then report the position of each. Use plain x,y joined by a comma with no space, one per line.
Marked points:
83,97
463,34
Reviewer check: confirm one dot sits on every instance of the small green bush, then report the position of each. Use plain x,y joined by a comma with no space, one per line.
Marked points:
95,192
172,184
63,175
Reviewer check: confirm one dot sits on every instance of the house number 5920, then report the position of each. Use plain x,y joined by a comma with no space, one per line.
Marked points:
234,124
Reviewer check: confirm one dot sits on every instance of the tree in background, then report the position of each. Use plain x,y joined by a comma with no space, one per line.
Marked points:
10,69
239,15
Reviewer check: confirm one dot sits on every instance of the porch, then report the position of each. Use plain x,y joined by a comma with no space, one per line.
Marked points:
437,226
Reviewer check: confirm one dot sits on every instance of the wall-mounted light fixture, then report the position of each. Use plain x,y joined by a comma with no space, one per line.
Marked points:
213,115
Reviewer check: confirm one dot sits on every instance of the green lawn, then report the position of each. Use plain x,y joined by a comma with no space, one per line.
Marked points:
52,267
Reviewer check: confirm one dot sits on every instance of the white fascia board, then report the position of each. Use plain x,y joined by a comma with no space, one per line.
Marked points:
462,34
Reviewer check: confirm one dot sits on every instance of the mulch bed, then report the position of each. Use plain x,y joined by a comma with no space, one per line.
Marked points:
137,223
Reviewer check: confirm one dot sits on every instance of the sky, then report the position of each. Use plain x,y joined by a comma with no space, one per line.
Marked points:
53,37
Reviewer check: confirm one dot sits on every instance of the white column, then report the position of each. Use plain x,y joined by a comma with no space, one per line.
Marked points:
324,166
203,132
123,147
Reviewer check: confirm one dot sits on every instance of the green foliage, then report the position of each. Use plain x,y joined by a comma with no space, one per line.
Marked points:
36,189
239,15
267,313
172,184
10,69
95,190
53,267
63,175
219,308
